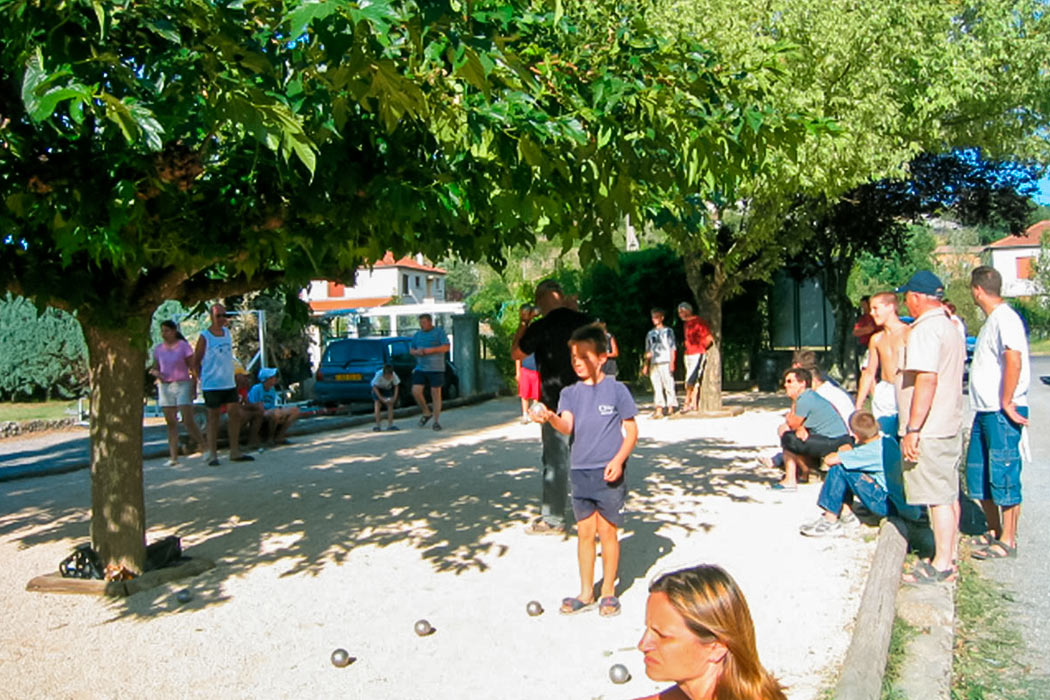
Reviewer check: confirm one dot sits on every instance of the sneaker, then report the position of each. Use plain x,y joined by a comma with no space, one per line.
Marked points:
437,426
376,429
822,527
393,427
171,463
848,518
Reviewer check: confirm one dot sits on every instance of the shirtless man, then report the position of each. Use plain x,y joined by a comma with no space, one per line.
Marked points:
883,350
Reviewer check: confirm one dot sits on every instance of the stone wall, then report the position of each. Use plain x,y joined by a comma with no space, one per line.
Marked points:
12,428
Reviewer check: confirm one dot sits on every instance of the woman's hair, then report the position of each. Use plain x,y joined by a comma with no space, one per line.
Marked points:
714,609
173,326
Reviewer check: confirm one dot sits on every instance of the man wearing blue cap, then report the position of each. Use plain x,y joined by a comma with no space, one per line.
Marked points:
930,399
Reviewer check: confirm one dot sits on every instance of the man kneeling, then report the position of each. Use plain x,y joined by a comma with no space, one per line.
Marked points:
812,429
852,472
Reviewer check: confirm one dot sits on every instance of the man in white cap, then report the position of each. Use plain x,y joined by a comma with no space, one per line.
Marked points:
279,419
930,400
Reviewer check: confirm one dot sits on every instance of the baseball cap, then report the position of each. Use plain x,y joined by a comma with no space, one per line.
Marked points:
267,372
923,282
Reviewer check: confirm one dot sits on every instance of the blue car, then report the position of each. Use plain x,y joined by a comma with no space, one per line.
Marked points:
348,365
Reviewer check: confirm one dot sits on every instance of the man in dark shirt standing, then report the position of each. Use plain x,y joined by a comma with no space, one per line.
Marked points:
548,339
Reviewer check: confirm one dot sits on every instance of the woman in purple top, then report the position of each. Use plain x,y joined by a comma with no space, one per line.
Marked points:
176,386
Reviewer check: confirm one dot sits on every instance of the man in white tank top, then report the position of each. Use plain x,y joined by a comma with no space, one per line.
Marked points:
214,356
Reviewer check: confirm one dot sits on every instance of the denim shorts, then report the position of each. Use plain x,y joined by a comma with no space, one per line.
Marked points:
993,459
591,492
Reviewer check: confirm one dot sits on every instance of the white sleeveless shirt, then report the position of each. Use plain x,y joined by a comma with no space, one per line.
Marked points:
217,363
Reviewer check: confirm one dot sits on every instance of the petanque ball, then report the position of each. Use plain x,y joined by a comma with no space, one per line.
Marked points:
423,628
618,673
534,608
184,596
340,658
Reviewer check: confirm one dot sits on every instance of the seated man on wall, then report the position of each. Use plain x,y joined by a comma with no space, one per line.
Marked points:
279,420
812,429
852,472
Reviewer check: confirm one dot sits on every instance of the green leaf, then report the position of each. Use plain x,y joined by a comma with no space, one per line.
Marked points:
165,29
300,18
100,14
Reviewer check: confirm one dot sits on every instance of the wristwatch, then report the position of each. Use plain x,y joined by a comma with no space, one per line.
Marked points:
908,430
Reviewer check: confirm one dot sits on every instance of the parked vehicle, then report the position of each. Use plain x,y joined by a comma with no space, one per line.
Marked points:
348,365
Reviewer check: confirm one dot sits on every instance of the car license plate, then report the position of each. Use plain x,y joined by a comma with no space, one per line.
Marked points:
348,377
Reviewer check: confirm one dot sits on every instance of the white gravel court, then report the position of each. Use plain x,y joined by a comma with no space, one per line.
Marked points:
346,538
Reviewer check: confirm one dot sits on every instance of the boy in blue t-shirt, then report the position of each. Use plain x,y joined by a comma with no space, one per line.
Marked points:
853,472
598,412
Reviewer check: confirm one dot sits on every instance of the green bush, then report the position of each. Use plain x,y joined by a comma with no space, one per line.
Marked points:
42,355
1036,317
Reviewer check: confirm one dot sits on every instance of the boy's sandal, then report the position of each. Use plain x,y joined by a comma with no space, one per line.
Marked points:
571,606
423,420
609,606
924,574
996,550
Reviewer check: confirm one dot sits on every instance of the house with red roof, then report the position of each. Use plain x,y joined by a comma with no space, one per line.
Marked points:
1014,257
405,280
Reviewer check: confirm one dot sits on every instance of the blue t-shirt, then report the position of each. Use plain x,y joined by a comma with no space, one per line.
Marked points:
821,416
260,394
598,411
433,338
530,362
866,458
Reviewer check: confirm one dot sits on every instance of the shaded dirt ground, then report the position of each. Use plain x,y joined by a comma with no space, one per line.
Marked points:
344,539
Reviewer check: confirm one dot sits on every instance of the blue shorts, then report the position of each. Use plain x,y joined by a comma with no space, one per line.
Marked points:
993,459
436,380
591,492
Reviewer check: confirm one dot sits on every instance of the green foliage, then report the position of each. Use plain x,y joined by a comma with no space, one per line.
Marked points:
287,342
41,354
1041,212
623,296
879,273
1036,316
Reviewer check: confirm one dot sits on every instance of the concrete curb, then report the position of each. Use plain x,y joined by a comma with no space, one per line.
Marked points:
306,426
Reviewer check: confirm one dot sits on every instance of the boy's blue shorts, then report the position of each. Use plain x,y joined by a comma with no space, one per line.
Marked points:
591,492
993,460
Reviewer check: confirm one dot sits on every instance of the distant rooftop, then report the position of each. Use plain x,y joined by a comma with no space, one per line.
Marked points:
407,261
1032,238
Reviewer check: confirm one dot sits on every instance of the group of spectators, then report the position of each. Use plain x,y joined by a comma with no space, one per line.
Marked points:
904,455
226,388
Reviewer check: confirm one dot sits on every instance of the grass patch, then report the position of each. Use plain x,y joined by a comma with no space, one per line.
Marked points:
41,410
900,636
987,644
1039,347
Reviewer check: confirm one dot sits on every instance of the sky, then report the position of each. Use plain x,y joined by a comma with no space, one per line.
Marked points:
1044,190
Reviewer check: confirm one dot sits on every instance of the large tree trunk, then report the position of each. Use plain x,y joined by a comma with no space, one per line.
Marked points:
709,291
118,510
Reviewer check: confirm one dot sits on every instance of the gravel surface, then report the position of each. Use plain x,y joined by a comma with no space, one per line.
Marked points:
345,539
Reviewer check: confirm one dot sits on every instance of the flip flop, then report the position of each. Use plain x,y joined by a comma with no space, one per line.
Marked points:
571,606
609,606
213,463
923,574
996,550
423,420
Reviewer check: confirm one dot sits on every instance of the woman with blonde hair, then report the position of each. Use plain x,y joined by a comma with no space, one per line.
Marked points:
699,634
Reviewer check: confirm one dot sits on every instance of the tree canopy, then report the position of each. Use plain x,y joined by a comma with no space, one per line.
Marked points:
191,149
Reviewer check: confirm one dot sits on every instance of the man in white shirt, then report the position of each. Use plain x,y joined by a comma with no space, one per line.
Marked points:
999,378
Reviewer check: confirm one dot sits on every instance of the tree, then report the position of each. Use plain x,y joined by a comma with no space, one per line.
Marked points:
898,78
42,354
195,150
873,220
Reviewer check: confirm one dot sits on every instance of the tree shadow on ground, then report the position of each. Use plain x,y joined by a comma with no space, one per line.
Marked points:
447,497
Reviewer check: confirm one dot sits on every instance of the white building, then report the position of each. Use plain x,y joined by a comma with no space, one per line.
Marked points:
409,279
1014,257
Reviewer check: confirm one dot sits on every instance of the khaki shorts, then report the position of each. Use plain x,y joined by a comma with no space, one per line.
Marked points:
934,479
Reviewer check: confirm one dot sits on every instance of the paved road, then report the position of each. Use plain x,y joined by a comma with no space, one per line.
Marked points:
1027,576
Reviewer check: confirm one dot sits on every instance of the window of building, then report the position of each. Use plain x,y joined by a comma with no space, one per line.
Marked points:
418,285
404,284
1024,267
